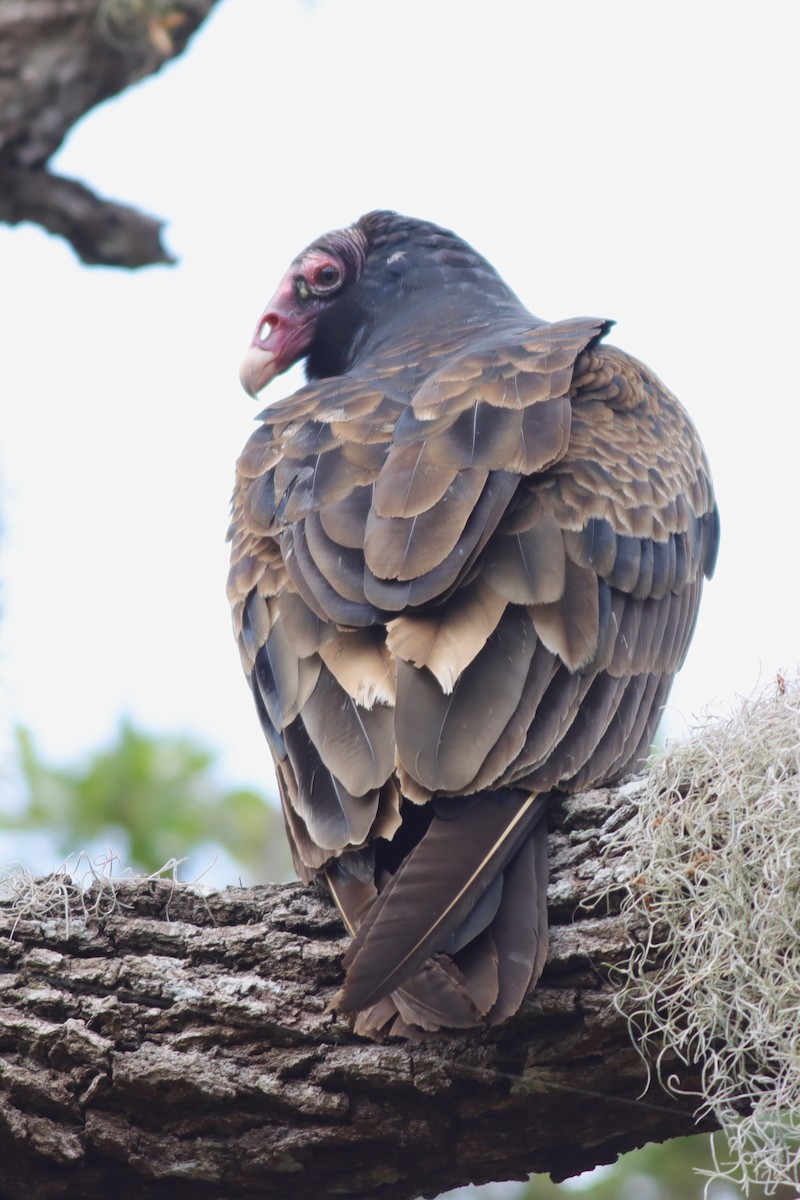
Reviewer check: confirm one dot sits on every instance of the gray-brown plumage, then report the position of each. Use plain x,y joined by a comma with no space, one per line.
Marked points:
467,560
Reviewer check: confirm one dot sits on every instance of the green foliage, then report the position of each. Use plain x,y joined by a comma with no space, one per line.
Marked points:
160,793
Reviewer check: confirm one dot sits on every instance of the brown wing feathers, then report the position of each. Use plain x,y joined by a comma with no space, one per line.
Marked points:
434,892
462,568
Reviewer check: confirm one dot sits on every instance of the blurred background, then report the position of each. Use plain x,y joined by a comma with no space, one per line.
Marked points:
623,160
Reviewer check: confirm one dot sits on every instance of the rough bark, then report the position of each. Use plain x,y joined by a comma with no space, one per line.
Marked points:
163,1042
58,59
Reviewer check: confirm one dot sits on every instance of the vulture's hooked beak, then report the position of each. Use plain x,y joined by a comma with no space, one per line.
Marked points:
283,334
257,368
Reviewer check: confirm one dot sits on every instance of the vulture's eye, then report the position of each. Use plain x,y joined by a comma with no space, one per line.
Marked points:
326,277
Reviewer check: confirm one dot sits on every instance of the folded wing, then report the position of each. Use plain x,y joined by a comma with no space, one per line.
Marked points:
465,587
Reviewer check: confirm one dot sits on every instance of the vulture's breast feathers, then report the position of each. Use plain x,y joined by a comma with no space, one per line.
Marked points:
467,562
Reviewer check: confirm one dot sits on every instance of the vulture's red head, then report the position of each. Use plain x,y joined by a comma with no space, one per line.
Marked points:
351,282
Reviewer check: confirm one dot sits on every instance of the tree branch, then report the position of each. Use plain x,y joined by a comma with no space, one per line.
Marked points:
100,232
162,1042
58,59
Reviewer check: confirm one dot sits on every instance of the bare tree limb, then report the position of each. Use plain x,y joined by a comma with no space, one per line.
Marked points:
100,232
169,1043
58,59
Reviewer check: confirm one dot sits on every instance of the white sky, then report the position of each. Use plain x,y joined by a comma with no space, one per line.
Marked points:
629,160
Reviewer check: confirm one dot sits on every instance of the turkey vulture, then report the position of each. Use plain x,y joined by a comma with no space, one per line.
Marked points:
467,561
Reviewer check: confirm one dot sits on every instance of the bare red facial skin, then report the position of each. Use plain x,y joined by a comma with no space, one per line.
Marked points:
285,329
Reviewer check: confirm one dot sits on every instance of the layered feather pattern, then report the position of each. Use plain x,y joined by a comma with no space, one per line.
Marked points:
467,559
